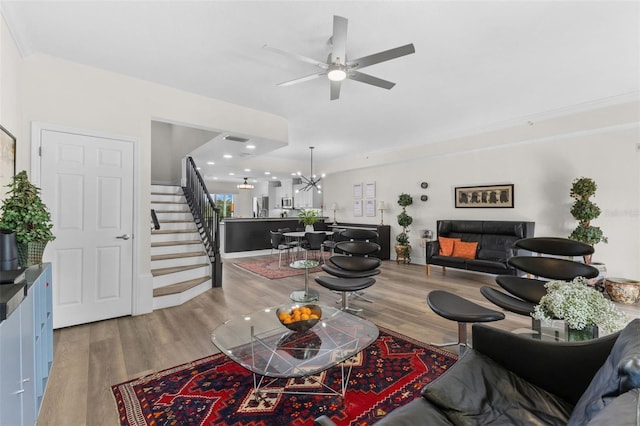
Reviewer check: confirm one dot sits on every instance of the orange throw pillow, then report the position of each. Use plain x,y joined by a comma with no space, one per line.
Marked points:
446,245
465,249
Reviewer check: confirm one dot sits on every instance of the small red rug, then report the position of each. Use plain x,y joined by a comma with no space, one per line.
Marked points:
217,391
268,268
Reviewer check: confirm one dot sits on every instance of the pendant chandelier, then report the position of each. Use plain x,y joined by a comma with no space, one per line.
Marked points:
244,185
311,182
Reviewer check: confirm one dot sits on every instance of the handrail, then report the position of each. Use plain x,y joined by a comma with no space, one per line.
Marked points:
154,218
207,217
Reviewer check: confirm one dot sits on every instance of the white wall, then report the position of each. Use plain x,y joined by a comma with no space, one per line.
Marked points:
64,93
10,105
541,164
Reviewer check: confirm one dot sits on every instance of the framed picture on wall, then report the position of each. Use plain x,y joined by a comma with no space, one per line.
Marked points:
357,208
370,208
7,159
357,190
370,190
492,196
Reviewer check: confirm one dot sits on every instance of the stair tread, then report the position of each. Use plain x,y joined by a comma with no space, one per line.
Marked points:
175,243
172,211
178,255
175,269
176,221
179,287
174,231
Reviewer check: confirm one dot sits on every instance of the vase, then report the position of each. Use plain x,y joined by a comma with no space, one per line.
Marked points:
309,228
30,253
587,333
403,253
8,251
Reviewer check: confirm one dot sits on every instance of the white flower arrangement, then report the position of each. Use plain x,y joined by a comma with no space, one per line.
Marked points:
579,305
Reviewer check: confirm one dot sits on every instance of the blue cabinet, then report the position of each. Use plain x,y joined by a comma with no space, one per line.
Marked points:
26,351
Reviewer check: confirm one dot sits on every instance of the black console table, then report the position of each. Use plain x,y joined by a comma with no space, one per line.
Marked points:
384,236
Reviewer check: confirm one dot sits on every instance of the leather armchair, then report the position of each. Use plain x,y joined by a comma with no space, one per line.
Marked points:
511,379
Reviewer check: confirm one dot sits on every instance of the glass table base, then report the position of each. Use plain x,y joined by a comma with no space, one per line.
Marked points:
305,296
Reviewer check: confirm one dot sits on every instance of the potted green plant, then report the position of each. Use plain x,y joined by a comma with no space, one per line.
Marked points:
308,217
24,213
580,307
584,210
403,248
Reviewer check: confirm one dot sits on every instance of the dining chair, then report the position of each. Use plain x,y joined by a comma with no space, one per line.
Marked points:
278,243
313,242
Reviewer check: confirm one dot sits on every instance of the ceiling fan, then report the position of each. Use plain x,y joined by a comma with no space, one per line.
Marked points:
338,67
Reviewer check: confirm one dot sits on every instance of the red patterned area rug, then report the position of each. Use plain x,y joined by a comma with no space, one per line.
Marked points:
217,391
268,268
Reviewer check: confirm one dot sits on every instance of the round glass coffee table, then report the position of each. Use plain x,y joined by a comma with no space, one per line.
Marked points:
305,295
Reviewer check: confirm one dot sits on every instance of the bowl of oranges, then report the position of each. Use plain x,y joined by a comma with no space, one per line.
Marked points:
299,318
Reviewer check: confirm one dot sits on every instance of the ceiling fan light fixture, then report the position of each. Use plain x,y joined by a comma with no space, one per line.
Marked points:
337,72
244,185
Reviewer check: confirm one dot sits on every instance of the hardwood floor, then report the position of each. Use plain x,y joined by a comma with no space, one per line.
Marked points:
90,358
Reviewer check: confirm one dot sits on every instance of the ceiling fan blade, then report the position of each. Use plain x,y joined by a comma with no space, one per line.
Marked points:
369,79
297,56
302,79
376,58
335,89
339,40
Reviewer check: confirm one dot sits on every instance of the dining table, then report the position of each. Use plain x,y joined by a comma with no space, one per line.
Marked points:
298,236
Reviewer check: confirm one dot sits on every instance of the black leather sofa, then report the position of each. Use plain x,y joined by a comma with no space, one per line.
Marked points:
496,244
508,379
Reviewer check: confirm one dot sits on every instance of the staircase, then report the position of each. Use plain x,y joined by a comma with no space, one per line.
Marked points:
180,266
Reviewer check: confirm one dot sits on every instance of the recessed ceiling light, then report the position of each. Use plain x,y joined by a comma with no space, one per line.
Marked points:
274,177
251,147
228,156
211,163
294,174
267,173
198,168
232,174
236,138
215,178
247,170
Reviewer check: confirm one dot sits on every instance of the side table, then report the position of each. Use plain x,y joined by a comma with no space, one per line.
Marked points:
305,295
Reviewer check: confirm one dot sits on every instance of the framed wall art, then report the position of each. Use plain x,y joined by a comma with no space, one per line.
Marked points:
491,196
7,159
357,208
357,190
370,207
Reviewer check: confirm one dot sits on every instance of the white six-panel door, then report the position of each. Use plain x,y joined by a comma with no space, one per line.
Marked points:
87,183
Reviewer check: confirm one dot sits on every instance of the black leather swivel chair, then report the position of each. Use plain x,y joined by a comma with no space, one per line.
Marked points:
525,293
352,273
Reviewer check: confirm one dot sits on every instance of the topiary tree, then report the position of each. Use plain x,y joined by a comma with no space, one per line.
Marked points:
585,211
404,220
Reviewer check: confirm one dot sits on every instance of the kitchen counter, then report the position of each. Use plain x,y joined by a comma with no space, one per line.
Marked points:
248,234
258,219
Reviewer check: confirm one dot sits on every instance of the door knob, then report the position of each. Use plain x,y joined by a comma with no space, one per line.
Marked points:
124,236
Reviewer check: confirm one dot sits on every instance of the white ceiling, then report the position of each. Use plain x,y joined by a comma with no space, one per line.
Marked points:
477,63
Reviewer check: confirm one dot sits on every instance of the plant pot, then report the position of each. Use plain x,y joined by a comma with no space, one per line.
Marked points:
30,253
8,251
403,252
309,228
589,332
